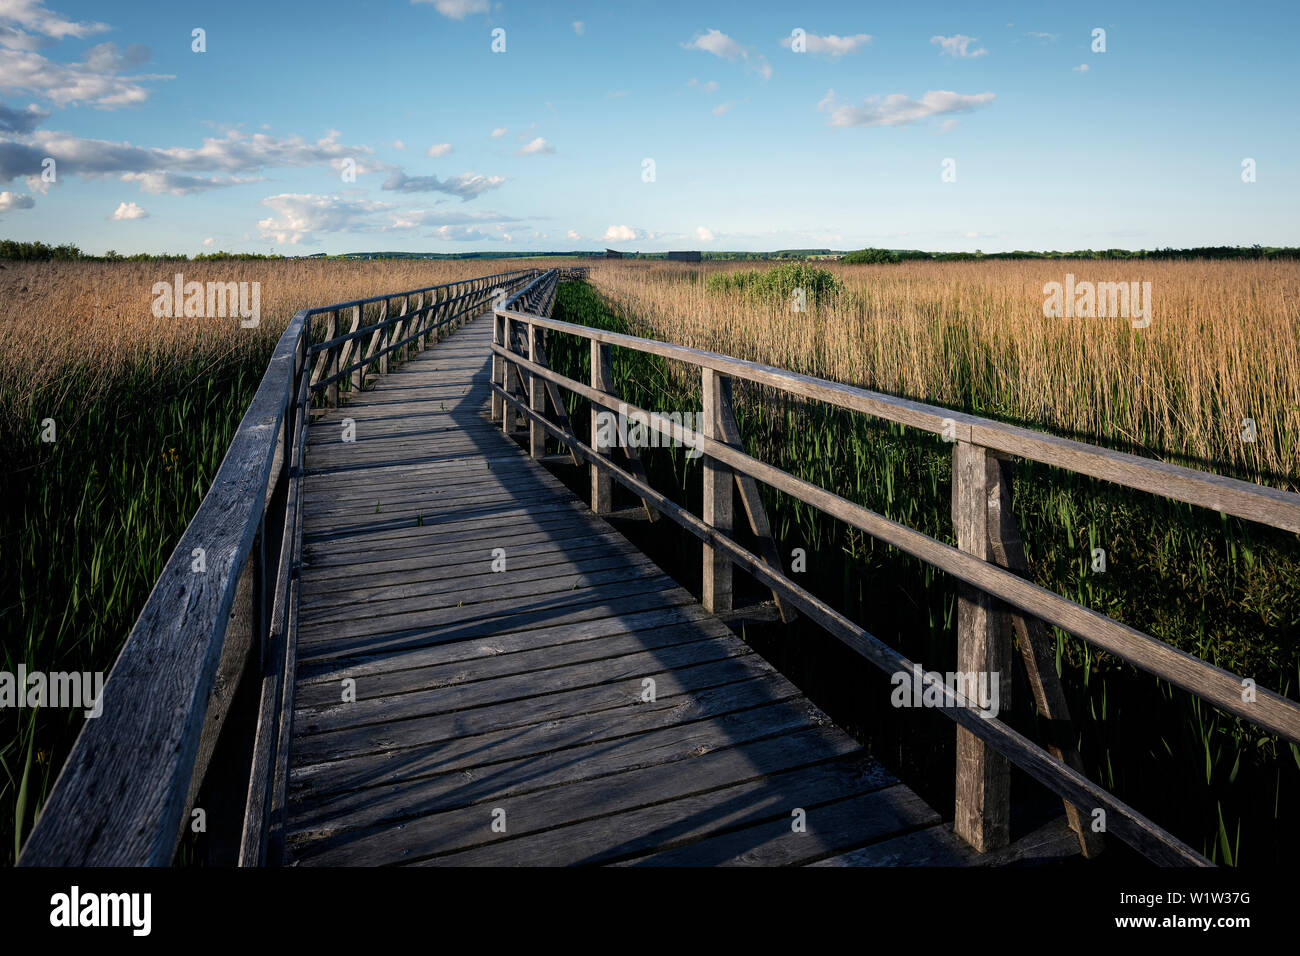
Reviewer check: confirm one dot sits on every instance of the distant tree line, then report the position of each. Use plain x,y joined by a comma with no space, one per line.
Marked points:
1199,252
14,250
40,251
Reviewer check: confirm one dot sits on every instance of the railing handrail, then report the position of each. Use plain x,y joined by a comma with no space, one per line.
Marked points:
115,802
409,292
1243,499
1277,508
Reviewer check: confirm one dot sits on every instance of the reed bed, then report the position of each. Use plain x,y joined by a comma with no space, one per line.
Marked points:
1217,587
1223,345
143,409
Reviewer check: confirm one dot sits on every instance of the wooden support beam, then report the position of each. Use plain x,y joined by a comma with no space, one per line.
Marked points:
421,321
355,347
507,341
983,803
1038,654
718,513
602,379
332,360
751,500
552,390
536,398
498,367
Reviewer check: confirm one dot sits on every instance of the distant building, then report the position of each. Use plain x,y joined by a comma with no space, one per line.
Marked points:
613,254
685,256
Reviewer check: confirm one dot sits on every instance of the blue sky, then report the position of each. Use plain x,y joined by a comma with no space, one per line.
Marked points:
251,145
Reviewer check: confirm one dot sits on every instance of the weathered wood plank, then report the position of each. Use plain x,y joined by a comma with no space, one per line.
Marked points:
467,751
464,826
474,686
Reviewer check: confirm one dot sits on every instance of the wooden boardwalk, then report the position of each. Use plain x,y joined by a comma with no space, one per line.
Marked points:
437,654
506,717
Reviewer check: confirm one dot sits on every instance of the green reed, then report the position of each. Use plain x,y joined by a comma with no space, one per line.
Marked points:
1212,585
87,525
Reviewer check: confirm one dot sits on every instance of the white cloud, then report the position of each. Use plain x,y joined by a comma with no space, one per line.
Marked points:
579,27
439,149
235,153
21,121
462,234
10,200
573,235
720,45
535,147
1049,37
898,109
106,58
621,234
129,210
178,184
831,45
466,185
709,87
32,15
457,9
398,144
722,108
297,215
67,85
703,234
499,132
209,241
1082,68
717,43
958,46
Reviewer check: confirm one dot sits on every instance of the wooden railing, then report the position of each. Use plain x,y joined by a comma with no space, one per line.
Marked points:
988,561
224,611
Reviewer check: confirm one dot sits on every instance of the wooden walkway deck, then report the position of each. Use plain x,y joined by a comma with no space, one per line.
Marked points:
502,718
350,664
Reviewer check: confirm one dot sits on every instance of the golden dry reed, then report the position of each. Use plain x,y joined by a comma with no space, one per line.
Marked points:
1223,346
95,319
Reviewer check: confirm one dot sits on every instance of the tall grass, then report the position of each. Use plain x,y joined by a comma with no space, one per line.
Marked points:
143,410
1220,588
1223,345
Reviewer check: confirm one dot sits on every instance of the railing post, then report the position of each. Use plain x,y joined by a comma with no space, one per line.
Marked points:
498,367
358,347
983,792
536,399
602,379
420,322
508,413
400,328
718,513
383,341
332,363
